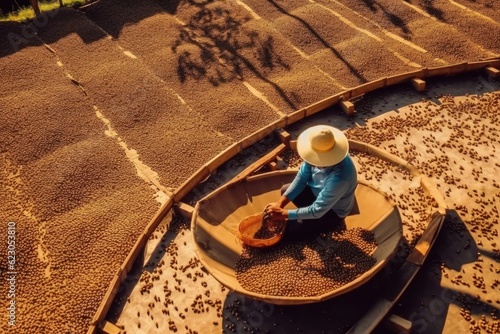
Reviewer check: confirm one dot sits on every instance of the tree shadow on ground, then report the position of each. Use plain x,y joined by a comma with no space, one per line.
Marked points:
214,45
116,14
337,54
430,8
112,16
171,6
373,5
434,11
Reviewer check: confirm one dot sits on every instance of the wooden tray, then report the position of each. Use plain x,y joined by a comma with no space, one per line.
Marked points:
216,219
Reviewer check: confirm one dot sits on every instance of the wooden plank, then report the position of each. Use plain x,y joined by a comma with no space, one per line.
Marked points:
397,324
425,73
347,107
296,116
402,280
368,87
109,328
280,123
493,72
259,135
184,209
370,320
326,103
283,135
92,329
157,219
259,163
477,65
418,84
106,302
190,183
273,165
457,69
424,244
400,78
223,157
447,70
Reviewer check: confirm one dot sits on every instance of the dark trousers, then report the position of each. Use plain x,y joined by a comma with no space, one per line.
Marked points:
310,227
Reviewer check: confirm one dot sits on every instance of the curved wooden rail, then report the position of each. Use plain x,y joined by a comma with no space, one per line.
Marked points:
208,168
214,231
405,274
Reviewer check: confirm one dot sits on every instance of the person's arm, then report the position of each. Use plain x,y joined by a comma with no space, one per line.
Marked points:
283,201
334,189
298,184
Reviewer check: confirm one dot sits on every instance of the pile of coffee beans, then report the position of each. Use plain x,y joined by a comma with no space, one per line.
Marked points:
269,229
308,267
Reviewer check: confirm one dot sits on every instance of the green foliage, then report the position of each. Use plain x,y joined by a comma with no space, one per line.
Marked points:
27,13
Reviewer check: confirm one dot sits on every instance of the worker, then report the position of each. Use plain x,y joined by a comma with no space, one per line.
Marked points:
323,189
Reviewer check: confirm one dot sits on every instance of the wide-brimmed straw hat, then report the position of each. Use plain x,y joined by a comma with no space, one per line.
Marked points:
322,145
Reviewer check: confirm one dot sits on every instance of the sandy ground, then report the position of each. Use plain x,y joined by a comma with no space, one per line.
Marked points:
105,112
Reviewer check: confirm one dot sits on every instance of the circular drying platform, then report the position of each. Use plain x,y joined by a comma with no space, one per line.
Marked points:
216,218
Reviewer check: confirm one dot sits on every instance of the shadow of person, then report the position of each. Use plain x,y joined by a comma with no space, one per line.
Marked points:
333,256
242,314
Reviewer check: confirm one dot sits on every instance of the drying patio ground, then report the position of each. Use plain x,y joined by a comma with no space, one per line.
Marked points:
105,111
449,133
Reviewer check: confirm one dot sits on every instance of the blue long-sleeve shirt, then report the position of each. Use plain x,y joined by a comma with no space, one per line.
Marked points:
333,187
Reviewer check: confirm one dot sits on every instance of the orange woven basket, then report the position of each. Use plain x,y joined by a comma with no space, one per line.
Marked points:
249,226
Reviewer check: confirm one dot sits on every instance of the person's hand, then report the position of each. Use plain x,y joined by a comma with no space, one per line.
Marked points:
276,213
274,217
271,205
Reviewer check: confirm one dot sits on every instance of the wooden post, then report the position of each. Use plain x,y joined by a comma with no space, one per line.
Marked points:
273,165
184,210
418,84
348,107
110,328
283,135
34,4
397,324
493,72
